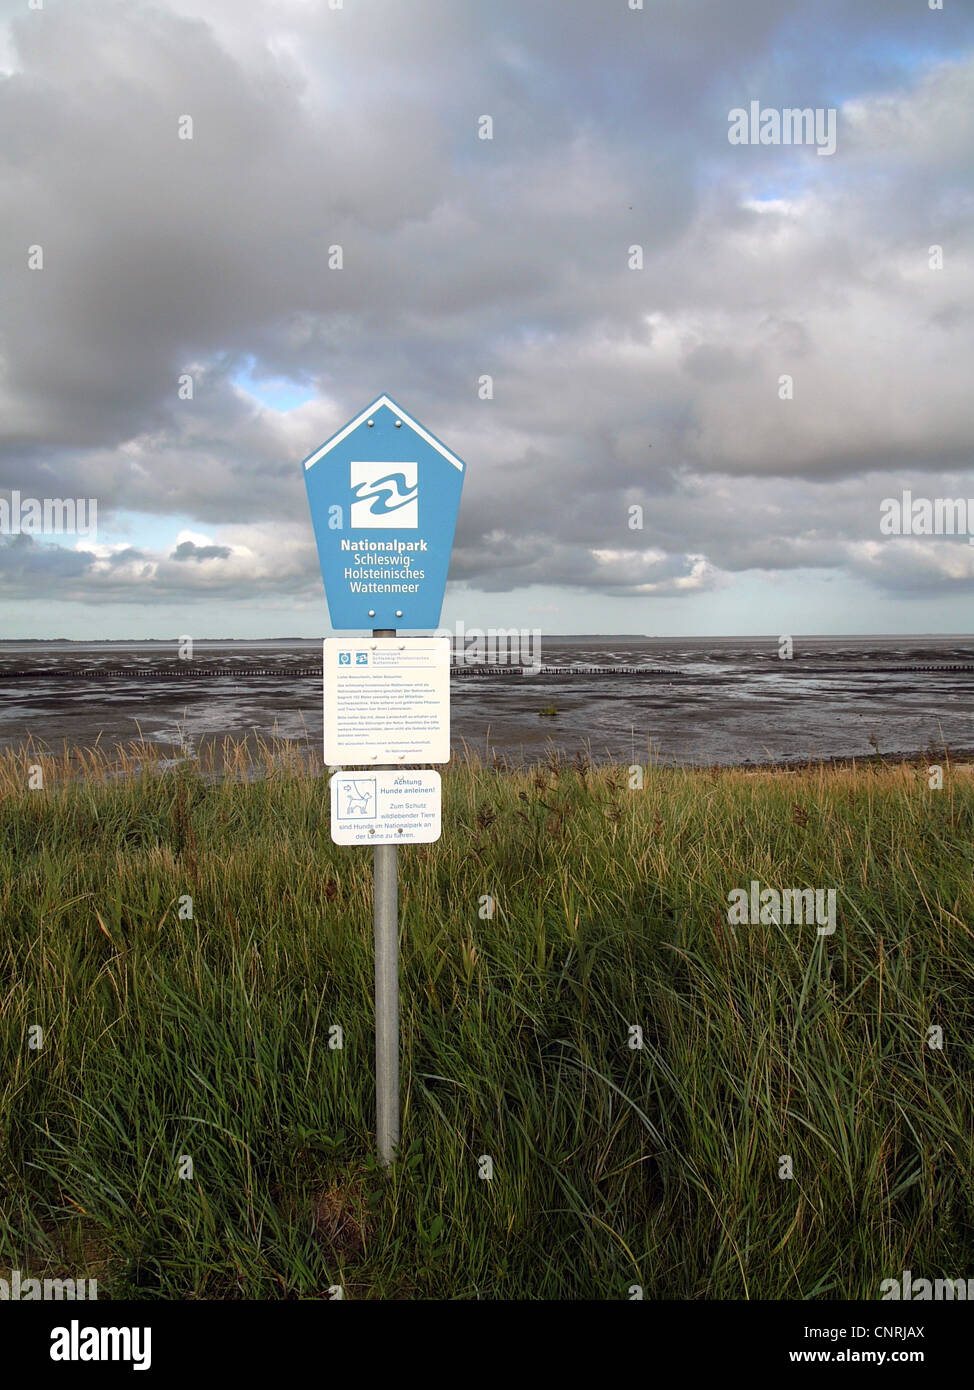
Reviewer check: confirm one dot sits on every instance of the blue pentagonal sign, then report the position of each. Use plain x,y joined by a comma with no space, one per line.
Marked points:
384,495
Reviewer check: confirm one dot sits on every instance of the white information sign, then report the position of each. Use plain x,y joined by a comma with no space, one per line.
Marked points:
387,700
397,807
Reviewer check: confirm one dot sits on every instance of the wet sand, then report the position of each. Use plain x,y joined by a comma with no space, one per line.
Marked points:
731,702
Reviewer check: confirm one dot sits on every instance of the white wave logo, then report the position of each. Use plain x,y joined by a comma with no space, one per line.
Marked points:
385,496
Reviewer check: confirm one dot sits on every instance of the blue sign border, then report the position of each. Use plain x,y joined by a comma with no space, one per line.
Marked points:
384,494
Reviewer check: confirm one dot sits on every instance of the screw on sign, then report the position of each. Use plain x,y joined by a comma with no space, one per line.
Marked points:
384,495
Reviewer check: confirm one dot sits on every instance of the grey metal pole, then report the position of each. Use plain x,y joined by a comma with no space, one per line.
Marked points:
385,889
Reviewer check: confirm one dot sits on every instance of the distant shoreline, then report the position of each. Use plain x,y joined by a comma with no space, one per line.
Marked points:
548,636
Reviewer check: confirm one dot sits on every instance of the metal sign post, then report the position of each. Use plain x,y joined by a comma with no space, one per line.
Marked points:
385,917
384,494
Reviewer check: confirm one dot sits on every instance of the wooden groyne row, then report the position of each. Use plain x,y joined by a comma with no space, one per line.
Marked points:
142,673
95,673
246,673
499,670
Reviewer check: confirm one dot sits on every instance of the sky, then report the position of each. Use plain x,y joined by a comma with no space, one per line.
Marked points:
683,373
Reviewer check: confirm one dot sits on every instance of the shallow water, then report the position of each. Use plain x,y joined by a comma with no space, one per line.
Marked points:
703,701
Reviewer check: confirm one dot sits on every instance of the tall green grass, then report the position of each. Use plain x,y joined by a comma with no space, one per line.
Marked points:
165,1036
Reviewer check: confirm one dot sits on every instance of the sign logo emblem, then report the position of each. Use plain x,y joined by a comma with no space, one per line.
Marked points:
385,496
359,797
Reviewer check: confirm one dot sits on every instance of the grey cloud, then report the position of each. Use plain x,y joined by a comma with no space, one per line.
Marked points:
507,257
24,562
186,550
